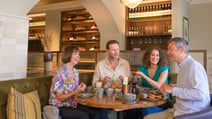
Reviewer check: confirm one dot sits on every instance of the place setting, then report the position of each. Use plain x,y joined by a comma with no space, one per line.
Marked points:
129,98
89,92
152,95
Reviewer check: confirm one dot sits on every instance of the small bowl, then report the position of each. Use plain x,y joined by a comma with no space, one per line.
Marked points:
143,95
89,89
142,89
85,95
118,91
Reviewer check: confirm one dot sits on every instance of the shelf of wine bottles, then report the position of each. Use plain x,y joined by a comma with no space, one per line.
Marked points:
149,25
147,30
146,11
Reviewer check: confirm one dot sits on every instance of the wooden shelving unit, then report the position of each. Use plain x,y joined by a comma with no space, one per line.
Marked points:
79,28
148,25
36,31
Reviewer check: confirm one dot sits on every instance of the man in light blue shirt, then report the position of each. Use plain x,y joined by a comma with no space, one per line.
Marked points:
192,90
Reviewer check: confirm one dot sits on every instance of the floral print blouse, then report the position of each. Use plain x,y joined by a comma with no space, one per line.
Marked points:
62,82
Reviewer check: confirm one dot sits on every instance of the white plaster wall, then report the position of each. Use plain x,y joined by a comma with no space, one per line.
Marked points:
13,46
14,38
119,18
200,32
53,28
179,9
16,7
200,26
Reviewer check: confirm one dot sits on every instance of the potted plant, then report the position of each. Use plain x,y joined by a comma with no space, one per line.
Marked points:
46,41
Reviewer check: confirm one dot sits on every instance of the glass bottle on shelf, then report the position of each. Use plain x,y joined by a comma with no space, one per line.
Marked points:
131,42
130,31
142,30
156,7
144,9
140,41
170,6
159,7
130,12
136,31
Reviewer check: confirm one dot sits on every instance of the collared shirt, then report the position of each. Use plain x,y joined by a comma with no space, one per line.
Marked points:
64,83
104,68
192,90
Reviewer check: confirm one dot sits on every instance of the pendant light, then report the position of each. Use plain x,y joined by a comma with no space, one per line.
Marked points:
131,3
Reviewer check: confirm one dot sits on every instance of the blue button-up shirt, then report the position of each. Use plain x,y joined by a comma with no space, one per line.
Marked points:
192,90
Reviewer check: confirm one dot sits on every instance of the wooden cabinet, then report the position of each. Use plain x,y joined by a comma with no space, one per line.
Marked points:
148,25
36,31
79,28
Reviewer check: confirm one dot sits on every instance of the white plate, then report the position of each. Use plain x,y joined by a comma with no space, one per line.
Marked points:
130,102
85,95
155,99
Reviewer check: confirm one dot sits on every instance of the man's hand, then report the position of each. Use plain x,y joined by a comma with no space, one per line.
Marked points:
166,88
106,79
121,78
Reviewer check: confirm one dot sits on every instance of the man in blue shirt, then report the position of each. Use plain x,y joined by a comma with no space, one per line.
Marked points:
192,90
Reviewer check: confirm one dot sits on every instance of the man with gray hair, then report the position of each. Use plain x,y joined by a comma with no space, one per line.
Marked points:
192,90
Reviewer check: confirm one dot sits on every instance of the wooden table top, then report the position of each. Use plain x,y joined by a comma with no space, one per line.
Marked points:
116,104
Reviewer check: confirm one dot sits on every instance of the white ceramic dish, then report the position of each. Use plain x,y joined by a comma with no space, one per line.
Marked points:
85,95
130,102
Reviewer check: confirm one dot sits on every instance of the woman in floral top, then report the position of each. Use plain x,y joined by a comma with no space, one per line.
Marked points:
65,85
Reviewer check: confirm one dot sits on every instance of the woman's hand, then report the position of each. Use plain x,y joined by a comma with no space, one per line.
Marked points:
62,97
140,74
81,88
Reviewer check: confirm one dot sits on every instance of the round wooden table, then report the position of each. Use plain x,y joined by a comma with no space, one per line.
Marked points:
116,104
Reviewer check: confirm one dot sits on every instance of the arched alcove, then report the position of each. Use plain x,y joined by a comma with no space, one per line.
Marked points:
107,19
110,21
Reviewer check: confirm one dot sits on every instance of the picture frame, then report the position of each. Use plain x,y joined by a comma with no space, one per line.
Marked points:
186,28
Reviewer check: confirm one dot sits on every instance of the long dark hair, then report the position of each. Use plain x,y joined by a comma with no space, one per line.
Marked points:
146,58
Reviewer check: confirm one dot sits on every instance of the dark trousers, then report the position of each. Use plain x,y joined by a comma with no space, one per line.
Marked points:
83,112
135,113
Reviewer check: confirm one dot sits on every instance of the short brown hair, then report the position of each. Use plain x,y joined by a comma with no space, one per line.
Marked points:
146,58
67,53
111,42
